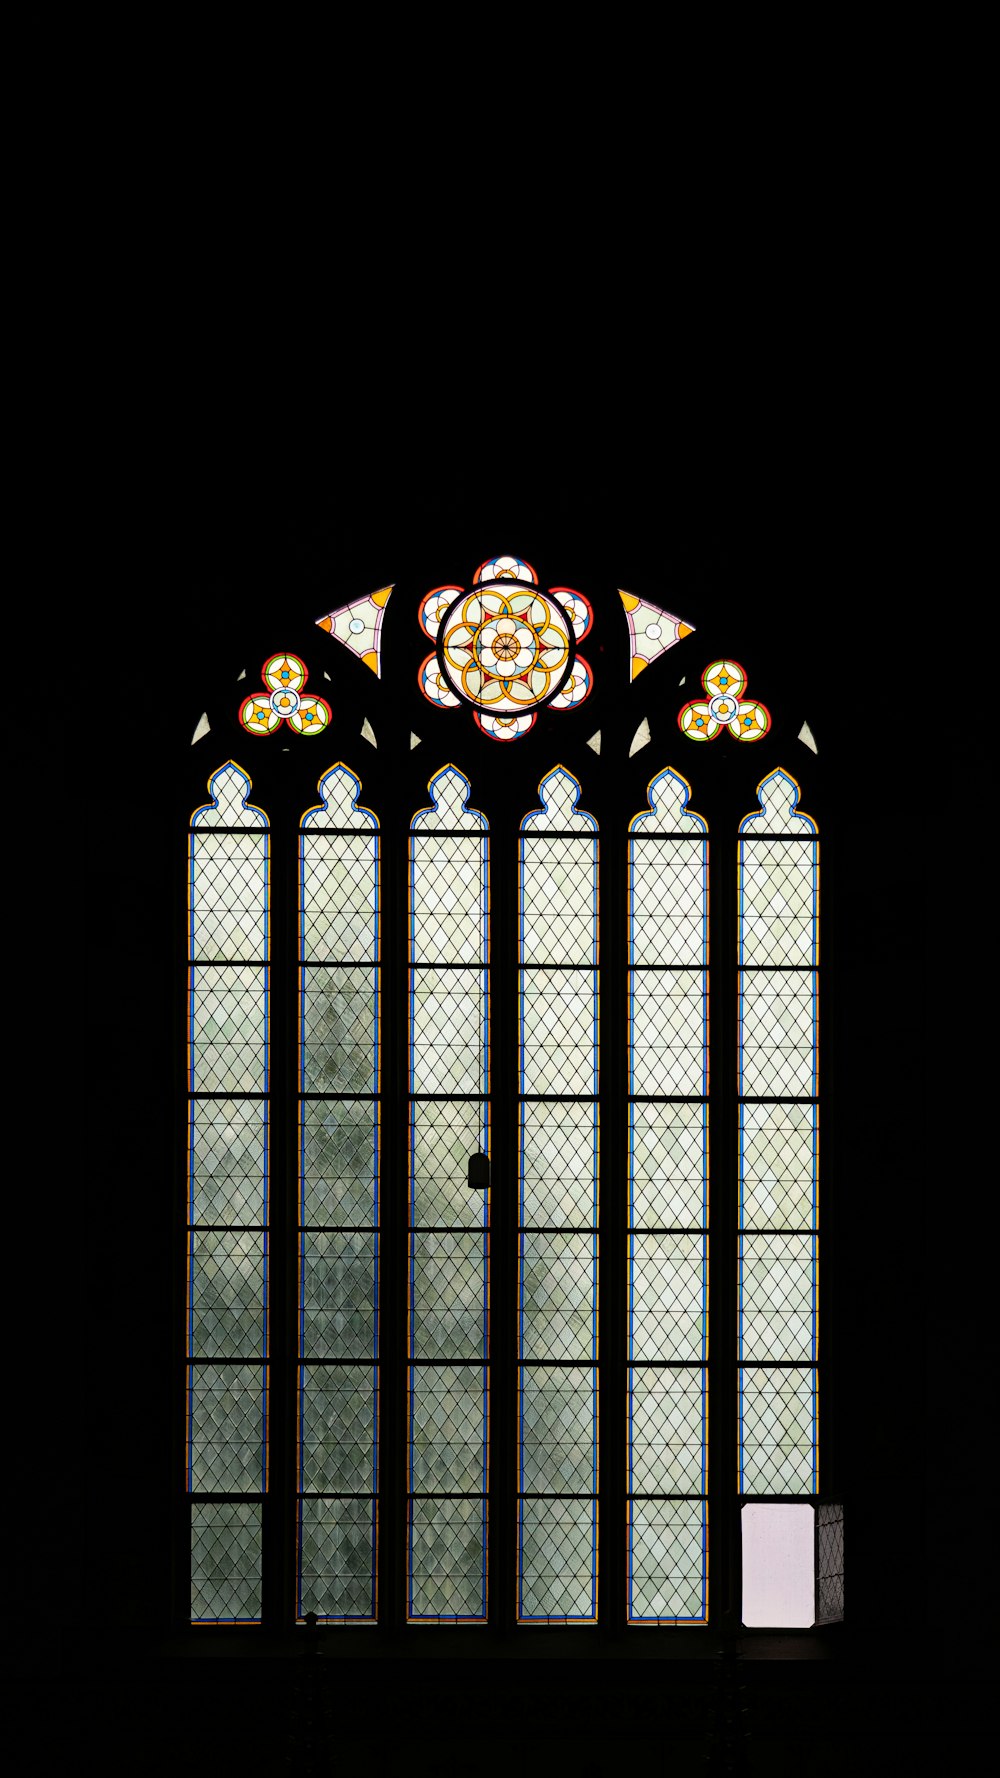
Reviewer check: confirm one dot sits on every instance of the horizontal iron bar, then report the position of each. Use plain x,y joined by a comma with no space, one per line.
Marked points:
776,1099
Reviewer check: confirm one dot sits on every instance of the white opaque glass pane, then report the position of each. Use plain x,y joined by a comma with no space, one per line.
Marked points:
778,1566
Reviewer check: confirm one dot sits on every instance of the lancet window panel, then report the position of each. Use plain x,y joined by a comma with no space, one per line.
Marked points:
228,1197
448,1378
667,1329
778,1063
558,1357
339,907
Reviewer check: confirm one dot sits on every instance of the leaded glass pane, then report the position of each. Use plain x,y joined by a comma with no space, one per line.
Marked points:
337,1407
228,1161
448,1429
669,902
339,1294
829,1563
558,1408
778,1035
778,1431
669,1029
339,1162
339,1024
226,1294
339,897
228,1031
667,1430
668,1296
558,1296
558,1031
667,1561
558,902
226,1428
559,1148
447,906
779,1152
778,909
228,896
668,1165
448,1049
777,1297
557,1549
225,1562
336,1568
449,1285
447,1552
443,1134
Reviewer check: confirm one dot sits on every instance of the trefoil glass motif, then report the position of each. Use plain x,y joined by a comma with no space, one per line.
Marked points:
284,701
227,1224
449,1224
558,1232
338,1239
779,1143
724,707
668,1210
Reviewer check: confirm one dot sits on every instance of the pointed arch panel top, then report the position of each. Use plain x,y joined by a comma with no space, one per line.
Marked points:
450,791
778,795
667,795
560,792
229,788
339,789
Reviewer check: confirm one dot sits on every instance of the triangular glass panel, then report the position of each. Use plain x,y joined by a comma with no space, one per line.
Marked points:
651,630
203,727
368,733
807,737
641,737
359,627
595,742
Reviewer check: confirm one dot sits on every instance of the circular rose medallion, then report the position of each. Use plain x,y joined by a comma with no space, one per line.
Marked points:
505,650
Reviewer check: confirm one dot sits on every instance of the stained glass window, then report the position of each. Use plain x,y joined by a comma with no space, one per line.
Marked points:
449,1121
228,1082
557,1301
778,1054
338,1309
668,1209
449,1097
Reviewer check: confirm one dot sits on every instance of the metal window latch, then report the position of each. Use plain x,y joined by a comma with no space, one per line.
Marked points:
479,1172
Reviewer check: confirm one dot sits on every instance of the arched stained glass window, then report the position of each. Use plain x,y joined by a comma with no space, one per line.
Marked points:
339,1079
448,1341
228,1093
778,1154
668,1209
450,1356
558,1239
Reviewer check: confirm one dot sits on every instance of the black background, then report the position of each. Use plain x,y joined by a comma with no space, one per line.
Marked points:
792,562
